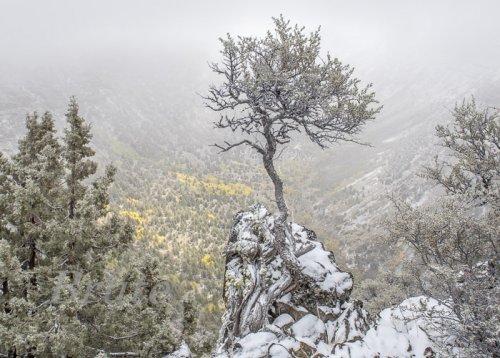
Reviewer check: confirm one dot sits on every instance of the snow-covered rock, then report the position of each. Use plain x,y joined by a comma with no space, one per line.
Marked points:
401,331
182,352
269,312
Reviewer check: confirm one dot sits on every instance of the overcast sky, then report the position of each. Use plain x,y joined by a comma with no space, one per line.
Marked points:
421,49
31,30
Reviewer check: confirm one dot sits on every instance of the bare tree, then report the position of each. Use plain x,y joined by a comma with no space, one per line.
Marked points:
456,237
280,85
474,144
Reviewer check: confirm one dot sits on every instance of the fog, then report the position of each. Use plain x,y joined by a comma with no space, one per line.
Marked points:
34,34
420,55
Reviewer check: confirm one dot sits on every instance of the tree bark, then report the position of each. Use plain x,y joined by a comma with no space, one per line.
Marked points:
282,246
72,200
5,287
5,293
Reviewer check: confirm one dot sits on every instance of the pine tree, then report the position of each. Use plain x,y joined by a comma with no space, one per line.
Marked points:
37,173
58,233
5,192
32,181
76,151
278,86
71,287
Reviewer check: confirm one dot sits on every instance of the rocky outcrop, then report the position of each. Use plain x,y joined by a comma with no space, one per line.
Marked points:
270,312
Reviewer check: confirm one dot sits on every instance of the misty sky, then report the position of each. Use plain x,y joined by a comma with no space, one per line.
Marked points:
414,51
51,30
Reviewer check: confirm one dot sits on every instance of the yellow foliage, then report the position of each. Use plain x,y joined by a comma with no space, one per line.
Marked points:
214,185
238,164
159,238
139,219
208,260
134,215
211,215
224,167
133,202
173,278
139,232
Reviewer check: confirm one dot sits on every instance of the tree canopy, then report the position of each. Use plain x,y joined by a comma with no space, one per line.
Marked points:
279,85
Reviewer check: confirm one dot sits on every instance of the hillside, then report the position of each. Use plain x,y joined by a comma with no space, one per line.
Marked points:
181,194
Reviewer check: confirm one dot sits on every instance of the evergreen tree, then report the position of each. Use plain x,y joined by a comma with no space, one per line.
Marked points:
36,172
61,232
77,137
71,287
32,181
5,192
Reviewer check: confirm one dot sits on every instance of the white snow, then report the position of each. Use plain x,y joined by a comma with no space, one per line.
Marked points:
398,332
182,352
283,320
318,264
257,344
308,329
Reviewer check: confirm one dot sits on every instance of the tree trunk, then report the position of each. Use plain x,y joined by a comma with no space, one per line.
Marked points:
282,246
32,254
247,309
5,293
5,287
32,258
72,200
11,353
278,187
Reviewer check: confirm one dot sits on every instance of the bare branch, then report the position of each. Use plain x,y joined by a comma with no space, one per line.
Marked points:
228,146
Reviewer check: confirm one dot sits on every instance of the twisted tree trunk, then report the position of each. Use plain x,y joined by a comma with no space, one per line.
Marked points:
249,288
248,304
284,248
259,286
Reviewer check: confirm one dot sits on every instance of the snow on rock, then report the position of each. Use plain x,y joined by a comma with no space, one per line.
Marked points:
401,331
271,313
182,352
309,330
320,265
283,320
256,344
